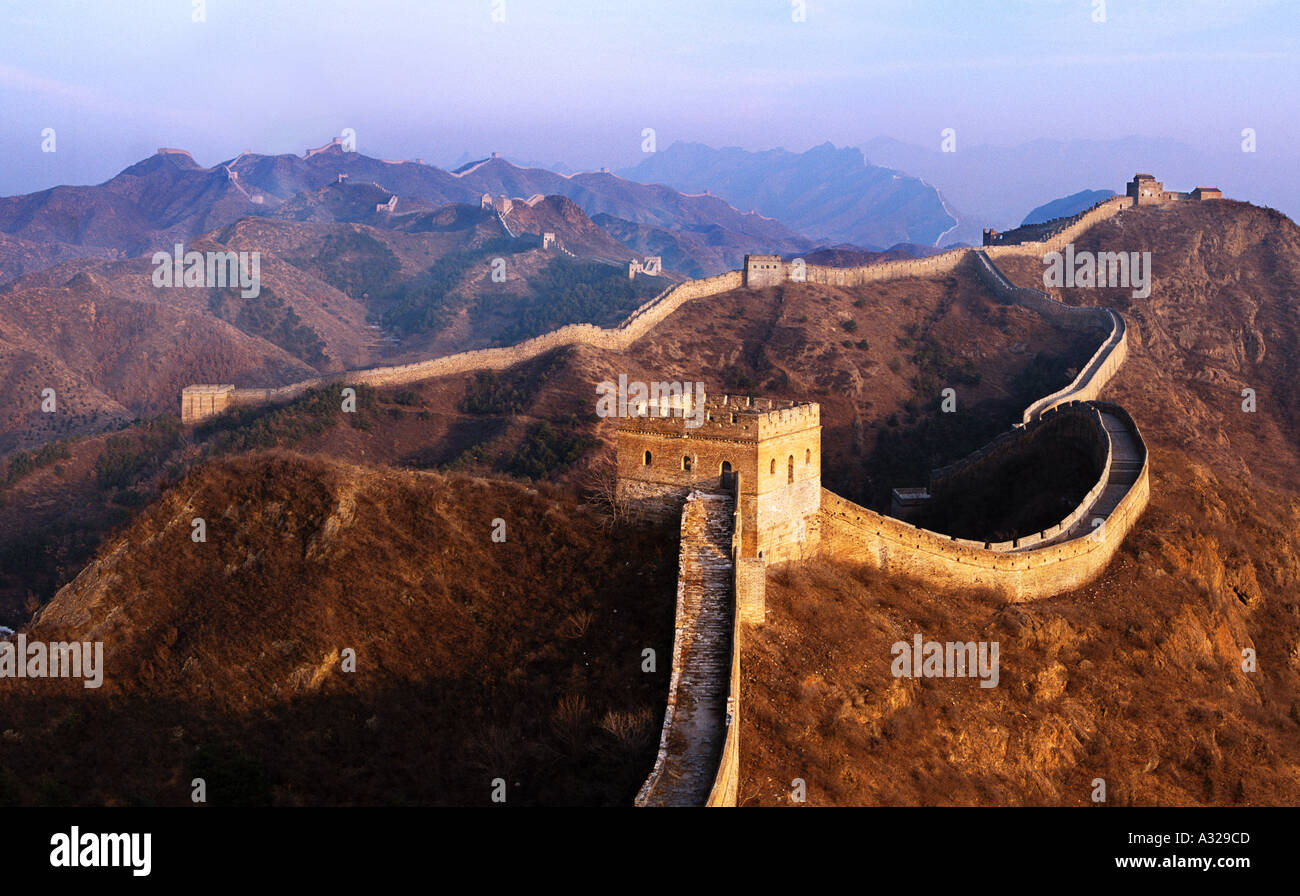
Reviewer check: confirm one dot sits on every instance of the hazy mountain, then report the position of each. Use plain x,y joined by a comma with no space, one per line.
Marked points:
169,197
334,294
165,197
998,183
1066,206
826,193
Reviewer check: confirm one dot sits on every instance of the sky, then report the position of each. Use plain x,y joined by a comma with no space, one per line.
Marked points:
578,82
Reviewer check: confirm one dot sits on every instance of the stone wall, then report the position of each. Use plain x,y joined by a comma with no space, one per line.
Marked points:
855,534
699,734
1105,361
749,587
1099,370
679,615
205,400
657,309
939,265
618,338
1107,208
726,784
1040,564
1081,423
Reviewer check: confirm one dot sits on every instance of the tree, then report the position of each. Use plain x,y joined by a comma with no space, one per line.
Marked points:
600,485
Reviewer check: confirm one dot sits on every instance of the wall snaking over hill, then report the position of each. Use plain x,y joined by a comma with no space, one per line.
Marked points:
1065,555
1080,424
749,584
645,318
1103,364
1019,573
617,338
699,724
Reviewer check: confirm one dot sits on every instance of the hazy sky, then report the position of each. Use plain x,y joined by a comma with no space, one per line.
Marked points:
578,81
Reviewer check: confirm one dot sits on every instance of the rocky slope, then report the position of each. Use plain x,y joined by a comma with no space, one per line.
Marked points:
1137,679
229,658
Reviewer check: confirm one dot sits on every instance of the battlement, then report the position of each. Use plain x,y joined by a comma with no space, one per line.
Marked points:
768,450
740,418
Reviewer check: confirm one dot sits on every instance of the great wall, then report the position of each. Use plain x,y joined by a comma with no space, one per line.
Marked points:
205,400
730,532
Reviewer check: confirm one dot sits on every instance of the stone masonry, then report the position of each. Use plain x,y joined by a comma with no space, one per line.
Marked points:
695,721
774,447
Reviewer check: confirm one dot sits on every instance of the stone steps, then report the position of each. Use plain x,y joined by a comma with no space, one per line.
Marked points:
692,741
1125,466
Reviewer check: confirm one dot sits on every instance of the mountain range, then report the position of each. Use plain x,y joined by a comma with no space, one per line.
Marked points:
826,193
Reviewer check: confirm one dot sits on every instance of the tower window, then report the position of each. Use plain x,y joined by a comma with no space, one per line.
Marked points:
789,469
774,466
646,460
807,455
686,463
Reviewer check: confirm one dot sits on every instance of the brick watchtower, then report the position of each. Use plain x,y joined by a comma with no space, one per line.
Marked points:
763,270
774,447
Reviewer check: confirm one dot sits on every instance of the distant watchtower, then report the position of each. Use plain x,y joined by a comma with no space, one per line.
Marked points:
205,400
763,270
1145,189
773,447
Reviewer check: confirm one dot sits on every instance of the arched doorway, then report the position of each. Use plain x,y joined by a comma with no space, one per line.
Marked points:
728,475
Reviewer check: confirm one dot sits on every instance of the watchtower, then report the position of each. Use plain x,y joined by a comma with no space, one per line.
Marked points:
772,448
763,270
1145,189
205,400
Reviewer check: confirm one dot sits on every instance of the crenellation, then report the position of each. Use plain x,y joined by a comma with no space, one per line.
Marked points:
1064,555
772,448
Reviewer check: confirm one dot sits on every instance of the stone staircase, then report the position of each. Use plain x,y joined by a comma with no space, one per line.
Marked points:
1125,468
695,724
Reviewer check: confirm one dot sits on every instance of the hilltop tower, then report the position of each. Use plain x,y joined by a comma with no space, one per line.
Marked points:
1144,189
768,451
763,270
205,400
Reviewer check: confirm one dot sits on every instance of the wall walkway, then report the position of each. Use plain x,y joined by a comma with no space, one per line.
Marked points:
1066,555
696,722
649,315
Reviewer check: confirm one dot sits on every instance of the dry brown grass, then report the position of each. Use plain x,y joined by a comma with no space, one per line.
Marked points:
474,659
1136,678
